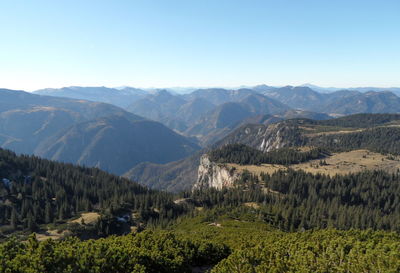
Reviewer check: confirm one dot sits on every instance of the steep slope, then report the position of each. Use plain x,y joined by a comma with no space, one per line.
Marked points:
214,175
159,106
218,122
83,132
187,114
24,129
175,176
277,134
349,144
340,133
259,104
12,99
115,144
225,117
119,97
265,138
27,120
39,194
193,110
182,174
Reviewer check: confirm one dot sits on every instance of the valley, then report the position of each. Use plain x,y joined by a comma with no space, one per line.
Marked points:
208,115
85,132
261,181
199,136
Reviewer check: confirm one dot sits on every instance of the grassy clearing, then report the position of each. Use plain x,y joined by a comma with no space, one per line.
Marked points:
61,232
88,218
335,132
52,234
338,163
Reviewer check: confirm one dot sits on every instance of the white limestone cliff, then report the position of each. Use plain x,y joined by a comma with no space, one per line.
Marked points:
214,175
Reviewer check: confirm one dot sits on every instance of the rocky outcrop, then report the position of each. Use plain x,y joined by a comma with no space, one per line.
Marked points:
274,138
265,138
214,175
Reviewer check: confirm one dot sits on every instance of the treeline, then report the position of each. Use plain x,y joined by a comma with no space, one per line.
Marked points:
35,191
385,140
245,155
295,200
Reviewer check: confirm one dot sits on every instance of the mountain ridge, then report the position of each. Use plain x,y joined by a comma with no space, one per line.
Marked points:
36,124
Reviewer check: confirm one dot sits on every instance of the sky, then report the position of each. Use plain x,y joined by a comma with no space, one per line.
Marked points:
199,43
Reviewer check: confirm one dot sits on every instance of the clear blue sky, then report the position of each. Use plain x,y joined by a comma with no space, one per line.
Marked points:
166,43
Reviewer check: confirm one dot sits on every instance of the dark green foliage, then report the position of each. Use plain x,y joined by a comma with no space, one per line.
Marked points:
173,177
364,200
357,120
253,247
381,139
319,251
41,192
139,253
242,154
302,200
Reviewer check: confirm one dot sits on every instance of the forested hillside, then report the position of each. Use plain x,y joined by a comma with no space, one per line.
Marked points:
384,140
288,220
358,120
245,155
162,136
116,144
376,132
36,192
236,245
360,131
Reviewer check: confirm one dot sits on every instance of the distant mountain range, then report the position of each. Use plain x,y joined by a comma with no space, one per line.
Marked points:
320,89
120,97
342,102
85,132
209,114
120,129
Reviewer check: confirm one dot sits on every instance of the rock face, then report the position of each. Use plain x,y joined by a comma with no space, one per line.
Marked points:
274,138
265,138
214,175
261,137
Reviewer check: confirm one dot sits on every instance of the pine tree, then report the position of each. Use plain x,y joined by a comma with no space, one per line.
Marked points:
14,219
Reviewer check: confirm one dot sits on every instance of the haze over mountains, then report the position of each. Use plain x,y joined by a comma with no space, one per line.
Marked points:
279,157
133,131
84,132
120,97
209,114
